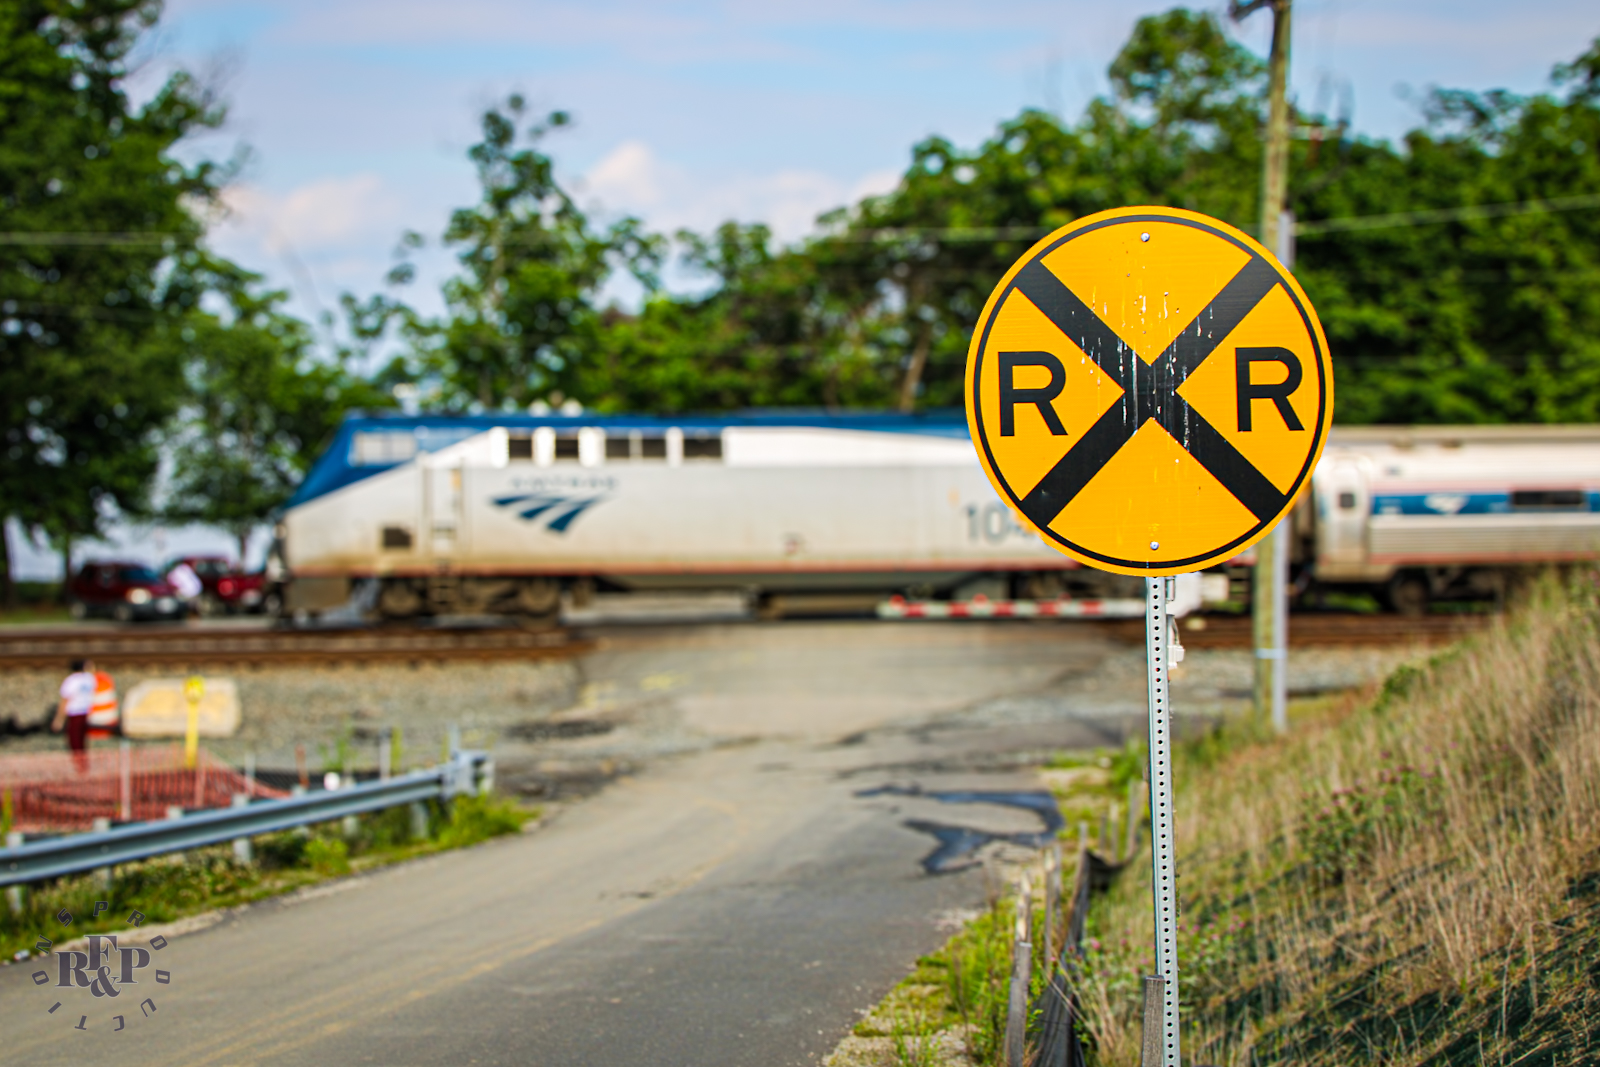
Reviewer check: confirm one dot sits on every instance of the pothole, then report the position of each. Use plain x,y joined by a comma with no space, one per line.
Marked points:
559,730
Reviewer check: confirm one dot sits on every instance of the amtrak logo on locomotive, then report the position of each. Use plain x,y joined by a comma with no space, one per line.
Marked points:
556,500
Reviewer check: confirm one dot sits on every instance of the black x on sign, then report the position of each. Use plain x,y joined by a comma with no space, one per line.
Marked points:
1149,389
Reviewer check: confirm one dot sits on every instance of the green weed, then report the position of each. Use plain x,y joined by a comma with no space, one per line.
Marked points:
327,856
167,888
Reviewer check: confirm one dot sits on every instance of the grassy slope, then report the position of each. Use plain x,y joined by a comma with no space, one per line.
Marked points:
1411,877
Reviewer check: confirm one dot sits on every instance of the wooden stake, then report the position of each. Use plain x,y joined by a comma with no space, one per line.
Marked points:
1021,971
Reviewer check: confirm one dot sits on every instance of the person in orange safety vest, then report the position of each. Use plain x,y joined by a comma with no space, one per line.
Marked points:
105,714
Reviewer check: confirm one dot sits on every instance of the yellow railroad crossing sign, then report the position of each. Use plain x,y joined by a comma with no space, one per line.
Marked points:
1149,389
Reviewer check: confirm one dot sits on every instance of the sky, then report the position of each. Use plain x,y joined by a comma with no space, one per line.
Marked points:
357,114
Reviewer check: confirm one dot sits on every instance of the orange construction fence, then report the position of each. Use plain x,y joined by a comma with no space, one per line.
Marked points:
67,791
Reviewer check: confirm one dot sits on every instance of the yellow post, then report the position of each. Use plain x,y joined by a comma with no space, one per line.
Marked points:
193,689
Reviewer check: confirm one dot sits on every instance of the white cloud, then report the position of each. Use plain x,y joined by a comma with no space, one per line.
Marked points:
319,238
633,179
325,214
629,178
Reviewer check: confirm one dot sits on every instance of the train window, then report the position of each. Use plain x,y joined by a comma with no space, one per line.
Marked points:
381,449
396,538
519,446
1566,499
1347,501
567,446
635,445
702,447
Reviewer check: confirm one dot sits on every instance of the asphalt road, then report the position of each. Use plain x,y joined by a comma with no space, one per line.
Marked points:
733,904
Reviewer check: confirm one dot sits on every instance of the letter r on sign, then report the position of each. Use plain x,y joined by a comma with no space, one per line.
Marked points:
1277,392
1040,396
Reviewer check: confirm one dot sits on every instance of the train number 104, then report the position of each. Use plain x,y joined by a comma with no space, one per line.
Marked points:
991,522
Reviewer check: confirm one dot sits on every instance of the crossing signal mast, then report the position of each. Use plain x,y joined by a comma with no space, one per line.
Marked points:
1269,587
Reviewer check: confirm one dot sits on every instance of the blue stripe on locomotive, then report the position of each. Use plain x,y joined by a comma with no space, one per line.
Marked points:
333,469
1446,503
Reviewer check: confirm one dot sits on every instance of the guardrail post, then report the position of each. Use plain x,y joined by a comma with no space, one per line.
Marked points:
102,875
351,824
175,811
16,895
242,850
299,790
419,820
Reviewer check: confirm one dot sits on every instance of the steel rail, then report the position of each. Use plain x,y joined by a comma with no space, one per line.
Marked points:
36,649
1327,631
467,773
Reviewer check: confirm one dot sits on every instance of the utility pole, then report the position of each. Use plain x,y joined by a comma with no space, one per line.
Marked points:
1268,583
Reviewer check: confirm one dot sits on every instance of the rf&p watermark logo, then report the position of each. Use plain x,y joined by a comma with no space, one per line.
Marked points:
91,985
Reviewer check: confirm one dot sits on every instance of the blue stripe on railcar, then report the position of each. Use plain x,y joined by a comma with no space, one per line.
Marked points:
1448,503
1441,503
334,470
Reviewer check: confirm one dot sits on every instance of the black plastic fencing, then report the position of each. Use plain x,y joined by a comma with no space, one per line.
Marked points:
1058,1009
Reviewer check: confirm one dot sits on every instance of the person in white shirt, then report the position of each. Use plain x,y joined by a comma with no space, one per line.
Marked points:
72,710
186,582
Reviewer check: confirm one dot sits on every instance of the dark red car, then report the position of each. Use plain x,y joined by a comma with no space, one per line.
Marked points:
225,589
123,591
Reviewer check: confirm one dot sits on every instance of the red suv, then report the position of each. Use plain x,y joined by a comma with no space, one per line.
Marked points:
124,591
225,589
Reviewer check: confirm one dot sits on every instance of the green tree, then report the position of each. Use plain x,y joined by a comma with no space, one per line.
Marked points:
259,407
98,251
770,333
1483,319
522,314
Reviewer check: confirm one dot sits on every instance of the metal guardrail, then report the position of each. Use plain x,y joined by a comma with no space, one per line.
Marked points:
467,773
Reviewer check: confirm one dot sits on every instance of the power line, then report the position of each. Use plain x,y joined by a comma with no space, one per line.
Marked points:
945,234
962,234
90,239
1449,214
1424,217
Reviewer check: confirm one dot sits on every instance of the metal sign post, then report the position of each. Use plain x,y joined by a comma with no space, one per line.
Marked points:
1163,855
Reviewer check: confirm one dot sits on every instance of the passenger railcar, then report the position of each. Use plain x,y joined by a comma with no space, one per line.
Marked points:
1418,514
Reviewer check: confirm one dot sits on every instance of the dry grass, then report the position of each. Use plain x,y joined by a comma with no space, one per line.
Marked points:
1401,880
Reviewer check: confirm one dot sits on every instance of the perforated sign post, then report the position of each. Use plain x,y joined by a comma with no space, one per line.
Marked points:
1150,389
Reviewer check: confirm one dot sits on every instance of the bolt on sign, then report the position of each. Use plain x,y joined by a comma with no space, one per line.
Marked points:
1150,390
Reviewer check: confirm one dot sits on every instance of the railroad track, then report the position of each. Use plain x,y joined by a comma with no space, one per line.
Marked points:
1316,630
186,647
181,647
